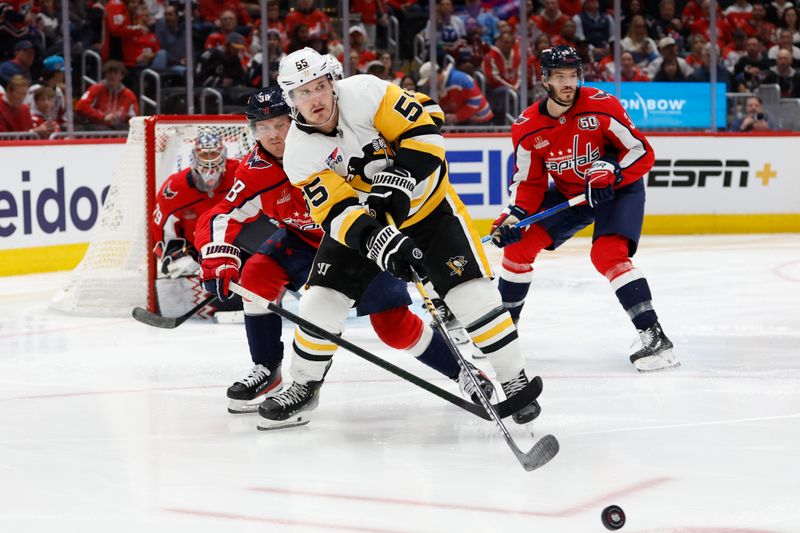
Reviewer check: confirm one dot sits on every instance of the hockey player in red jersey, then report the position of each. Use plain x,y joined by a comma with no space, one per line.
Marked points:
285,259
183,197
583,139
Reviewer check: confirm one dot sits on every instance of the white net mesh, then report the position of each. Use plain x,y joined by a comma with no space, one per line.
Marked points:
113,276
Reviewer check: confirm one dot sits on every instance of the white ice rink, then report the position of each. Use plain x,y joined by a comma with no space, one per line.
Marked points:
108,425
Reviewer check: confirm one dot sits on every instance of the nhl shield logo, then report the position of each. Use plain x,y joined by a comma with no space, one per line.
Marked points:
457,264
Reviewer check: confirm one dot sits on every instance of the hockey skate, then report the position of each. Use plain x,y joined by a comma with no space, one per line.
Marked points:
246,394
289,408
656,352
512,387
468,389
454,328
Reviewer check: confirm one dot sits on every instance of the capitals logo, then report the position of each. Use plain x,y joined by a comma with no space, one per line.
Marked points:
572,159
256,161
334,159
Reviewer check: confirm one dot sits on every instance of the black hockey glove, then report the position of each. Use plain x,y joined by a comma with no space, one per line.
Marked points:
391,193
178,258
504,229
394,252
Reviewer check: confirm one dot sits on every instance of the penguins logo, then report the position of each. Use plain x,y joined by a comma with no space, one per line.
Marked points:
457,265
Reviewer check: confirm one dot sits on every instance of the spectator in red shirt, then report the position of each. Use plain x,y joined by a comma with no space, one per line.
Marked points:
738,15
551,19
108,104
143,49
275,22
759,27
319,25
702,25
227,24
211,10
372,13
119,15
15,115
360,43
567,36
570,7
628,69
502,68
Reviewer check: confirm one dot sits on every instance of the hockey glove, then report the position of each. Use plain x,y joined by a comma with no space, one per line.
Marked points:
219,266
177,258
391,193
504,229
600,180
394,252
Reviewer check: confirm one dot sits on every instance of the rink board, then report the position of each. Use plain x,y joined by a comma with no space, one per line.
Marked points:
51,192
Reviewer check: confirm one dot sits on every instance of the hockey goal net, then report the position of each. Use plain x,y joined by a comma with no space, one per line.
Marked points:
118,271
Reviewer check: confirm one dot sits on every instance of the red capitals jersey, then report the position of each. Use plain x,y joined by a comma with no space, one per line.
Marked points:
595,127
180,203
261,186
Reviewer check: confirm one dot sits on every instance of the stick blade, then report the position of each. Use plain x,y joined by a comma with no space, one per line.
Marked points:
152,319
541,453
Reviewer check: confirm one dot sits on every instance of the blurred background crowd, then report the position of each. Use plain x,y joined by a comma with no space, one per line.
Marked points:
129,57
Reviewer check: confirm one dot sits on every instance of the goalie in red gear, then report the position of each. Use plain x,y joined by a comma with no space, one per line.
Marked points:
583,139
183,197
284,260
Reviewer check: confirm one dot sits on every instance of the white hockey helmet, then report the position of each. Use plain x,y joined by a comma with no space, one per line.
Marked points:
209,157
299,68
335,66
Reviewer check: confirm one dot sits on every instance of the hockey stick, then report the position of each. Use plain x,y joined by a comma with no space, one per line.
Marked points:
541,215
545,449
154,319
504,408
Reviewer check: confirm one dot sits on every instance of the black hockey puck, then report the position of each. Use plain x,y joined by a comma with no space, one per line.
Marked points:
613,517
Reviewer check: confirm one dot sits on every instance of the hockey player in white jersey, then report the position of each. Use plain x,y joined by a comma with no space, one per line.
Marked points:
365,140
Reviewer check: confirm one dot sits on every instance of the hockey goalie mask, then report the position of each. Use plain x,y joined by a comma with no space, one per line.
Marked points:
302,67
208,161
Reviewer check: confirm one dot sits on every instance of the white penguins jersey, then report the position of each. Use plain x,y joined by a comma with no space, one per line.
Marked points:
379,125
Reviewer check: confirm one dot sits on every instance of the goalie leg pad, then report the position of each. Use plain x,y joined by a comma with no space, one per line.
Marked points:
327,309
477,304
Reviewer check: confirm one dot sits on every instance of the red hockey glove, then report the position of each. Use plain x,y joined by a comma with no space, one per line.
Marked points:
219,266
504,229
600,180
391,193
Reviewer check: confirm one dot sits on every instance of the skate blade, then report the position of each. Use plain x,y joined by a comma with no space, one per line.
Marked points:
244,407
656,363
295,421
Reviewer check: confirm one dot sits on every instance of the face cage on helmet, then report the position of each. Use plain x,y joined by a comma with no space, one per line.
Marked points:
207,172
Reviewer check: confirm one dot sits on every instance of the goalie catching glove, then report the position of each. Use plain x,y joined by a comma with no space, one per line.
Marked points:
219,266
600,180
394,252
177,258
391,193
504,228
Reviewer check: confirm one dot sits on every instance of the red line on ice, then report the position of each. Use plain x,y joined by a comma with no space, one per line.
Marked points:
281,521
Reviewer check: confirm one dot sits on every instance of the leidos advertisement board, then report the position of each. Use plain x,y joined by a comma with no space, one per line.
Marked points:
51,195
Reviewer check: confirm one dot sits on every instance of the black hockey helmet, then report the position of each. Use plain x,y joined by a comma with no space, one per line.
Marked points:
561,56
267,103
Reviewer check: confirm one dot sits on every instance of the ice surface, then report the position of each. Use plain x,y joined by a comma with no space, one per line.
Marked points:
109,425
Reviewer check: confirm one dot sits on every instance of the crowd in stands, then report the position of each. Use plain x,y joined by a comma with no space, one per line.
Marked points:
478,49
